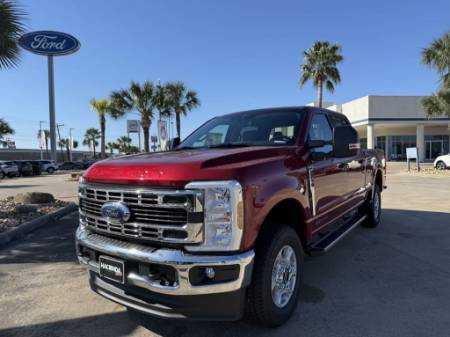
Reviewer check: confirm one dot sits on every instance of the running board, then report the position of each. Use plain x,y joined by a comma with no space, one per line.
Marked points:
329,241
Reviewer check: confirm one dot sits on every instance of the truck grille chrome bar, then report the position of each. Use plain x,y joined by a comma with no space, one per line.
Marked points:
155,215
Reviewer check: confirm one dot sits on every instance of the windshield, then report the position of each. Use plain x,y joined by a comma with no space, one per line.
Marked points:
246,129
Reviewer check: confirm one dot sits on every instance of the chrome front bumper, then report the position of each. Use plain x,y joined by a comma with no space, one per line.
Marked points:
178,259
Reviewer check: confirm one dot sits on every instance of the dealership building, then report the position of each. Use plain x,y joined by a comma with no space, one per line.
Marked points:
394,123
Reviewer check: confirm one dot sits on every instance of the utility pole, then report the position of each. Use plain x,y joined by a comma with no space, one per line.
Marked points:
40,138
59,138
70,143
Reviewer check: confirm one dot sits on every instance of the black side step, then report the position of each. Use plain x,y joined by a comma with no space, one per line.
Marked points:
328,242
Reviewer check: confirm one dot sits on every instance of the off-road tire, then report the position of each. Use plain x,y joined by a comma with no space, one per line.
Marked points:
373,215
260,306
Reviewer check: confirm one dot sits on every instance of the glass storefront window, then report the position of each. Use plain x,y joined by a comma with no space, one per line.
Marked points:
436,145
380,143
398,144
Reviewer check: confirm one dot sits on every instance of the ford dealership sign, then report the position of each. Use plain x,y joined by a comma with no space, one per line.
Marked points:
49,43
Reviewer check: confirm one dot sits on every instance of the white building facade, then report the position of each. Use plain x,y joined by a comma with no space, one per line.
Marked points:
394,123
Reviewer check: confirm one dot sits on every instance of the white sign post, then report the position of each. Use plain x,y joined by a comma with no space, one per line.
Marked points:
134,126
412,153
162,134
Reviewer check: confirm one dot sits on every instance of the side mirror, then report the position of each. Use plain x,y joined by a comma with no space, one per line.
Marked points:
175,142
345,141
316,143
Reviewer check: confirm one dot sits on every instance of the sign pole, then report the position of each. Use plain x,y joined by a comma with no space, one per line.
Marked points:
51,107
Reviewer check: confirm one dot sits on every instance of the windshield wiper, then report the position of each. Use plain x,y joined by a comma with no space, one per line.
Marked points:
229,145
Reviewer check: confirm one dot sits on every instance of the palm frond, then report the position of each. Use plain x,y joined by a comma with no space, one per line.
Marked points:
12,27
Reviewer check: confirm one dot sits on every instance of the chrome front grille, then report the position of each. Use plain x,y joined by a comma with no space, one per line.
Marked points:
156,215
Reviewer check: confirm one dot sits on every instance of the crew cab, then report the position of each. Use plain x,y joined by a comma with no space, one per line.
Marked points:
219,226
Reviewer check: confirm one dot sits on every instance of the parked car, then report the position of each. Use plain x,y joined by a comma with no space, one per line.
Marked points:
8,169
25,168
71,165
220,225
442,162
49,166
37,167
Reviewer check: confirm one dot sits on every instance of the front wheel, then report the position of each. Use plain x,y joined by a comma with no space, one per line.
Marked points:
440,165
277,277
50,170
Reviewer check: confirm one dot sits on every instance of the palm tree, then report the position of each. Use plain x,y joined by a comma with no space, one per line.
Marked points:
90,137
140,98
437,104
5,129
111,146
124,143
181,101
103,108
437,55
11,17
320,66
65,142
161,101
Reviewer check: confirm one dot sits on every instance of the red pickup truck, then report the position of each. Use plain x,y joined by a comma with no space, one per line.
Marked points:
219,226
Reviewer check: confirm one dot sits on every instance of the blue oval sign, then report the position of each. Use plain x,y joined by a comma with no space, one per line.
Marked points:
49,43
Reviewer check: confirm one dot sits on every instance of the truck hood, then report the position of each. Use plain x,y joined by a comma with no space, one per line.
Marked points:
177,168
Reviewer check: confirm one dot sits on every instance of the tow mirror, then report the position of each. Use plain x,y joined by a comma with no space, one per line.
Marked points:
316,143
175,142
345,141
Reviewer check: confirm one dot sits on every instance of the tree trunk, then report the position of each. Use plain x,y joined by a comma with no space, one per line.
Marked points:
319,93
178,122
93,146
102,139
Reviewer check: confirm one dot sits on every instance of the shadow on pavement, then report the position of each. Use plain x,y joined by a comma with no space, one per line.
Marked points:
17,186
112,324
53,243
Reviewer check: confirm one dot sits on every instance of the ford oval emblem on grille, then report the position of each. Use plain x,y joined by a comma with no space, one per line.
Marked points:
115,212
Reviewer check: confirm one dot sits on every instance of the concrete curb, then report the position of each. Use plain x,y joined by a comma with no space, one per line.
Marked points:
18,232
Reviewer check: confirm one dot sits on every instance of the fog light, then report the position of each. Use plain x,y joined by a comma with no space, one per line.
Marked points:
210,272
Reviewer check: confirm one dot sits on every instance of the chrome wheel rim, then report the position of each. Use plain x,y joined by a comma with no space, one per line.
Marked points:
440,166
376,206
284,276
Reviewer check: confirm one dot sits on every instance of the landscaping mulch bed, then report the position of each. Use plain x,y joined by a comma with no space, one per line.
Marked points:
14,214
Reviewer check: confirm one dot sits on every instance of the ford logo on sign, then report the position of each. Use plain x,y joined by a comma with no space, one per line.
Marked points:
115,212
49,43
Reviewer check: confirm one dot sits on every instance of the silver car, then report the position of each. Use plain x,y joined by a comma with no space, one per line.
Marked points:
8,168
49,166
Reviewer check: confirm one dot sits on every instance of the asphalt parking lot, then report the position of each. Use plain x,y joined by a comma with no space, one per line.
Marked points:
389,281
58,184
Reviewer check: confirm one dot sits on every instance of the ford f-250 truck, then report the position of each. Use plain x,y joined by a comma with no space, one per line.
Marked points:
219,226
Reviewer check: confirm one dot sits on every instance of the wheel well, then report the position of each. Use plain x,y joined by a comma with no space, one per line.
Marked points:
379,180
288,212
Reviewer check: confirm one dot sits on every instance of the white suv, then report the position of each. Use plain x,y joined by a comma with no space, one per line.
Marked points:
49,166
442,162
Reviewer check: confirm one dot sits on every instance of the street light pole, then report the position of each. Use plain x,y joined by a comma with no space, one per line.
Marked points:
40,138
70,143
59,138
51,106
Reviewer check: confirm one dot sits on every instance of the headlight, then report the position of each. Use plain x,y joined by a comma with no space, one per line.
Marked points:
81,186
223,215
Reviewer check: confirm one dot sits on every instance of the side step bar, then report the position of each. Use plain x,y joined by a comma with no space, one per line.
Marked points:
329,241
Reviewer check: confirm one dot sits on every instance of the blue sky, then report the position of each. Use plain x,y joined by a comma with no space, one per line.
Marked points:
237,54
